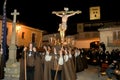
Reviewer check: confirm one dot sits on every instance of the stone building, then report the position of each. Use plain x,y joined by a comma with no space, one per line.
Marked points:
110,35
87,33
94,32
102,31
24,34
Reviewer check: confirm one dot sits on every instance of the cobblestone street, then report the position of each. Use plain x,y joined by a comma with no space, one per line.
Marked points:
92,73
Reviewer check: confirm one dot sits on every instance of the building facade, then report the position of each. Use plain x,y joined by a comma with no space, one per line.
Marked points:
95,32
98,32
87,33
110,35
24,34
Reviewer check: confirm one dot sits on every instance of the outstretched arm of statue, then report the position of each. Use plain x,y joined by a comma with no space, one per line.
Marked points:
57,13
54,12
78,12
74,12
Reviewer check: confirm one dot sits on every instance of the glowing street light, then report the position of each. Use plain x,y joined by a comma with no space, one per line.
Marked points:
18,27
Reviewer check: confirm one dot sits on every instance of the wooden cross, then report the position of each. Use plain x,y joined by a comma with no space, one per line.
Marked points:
15,13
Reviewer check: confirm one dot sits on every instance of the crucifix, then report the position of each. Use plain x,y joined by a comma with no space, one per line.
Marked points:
64,15
12,48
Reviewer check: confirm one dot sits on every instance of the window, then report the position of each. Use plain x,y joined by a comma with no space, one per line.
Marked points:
33,37
23,34
119,35
91,28
116,35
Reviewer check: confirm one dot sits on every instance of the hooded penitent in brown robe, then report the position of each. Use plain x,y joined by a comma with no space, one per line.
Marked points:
47,68
22,67
71,69
84,60
73,59
30,63
56,68
79,64
38,74
69,73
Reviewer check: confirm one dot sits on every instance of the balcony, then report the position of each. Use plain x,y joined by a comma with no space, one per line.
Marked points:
113,43
87,35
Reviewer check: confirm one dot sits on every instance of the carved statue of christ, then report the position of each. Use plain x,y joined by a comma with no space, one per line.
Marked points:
64,15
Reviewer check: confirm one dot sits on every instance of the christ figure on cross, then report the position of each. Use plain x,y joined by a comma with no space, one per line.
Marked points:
64,15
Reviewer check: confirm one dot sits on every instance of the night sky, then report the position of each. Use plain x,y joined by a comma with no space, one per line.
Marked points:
38,13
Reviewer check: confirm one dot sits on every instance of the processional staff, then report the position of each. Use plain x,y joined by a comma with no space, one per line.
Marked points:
63,25
25,63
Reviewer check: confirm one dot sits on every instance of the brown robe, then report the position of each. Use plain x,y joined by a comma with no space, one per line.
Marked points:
84,61
79,64
55,66
22,67
69,70
47,70
38,68
37,64
72,69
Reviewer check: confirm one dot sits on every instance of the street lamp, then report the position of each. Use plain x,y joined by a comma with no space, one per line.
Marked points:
18,27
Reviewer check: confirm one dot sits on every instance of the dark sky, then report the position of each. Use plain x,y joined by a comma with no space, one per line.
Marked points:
38,13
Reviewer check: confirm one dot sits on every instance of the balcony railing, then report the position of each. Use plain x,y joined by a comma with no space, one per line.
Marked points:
113,43
87,35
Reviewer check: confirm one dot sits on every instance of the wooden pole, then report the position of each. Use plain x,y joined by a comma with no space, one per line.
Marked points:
25,65
57,67
75,64
55,78
0,65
